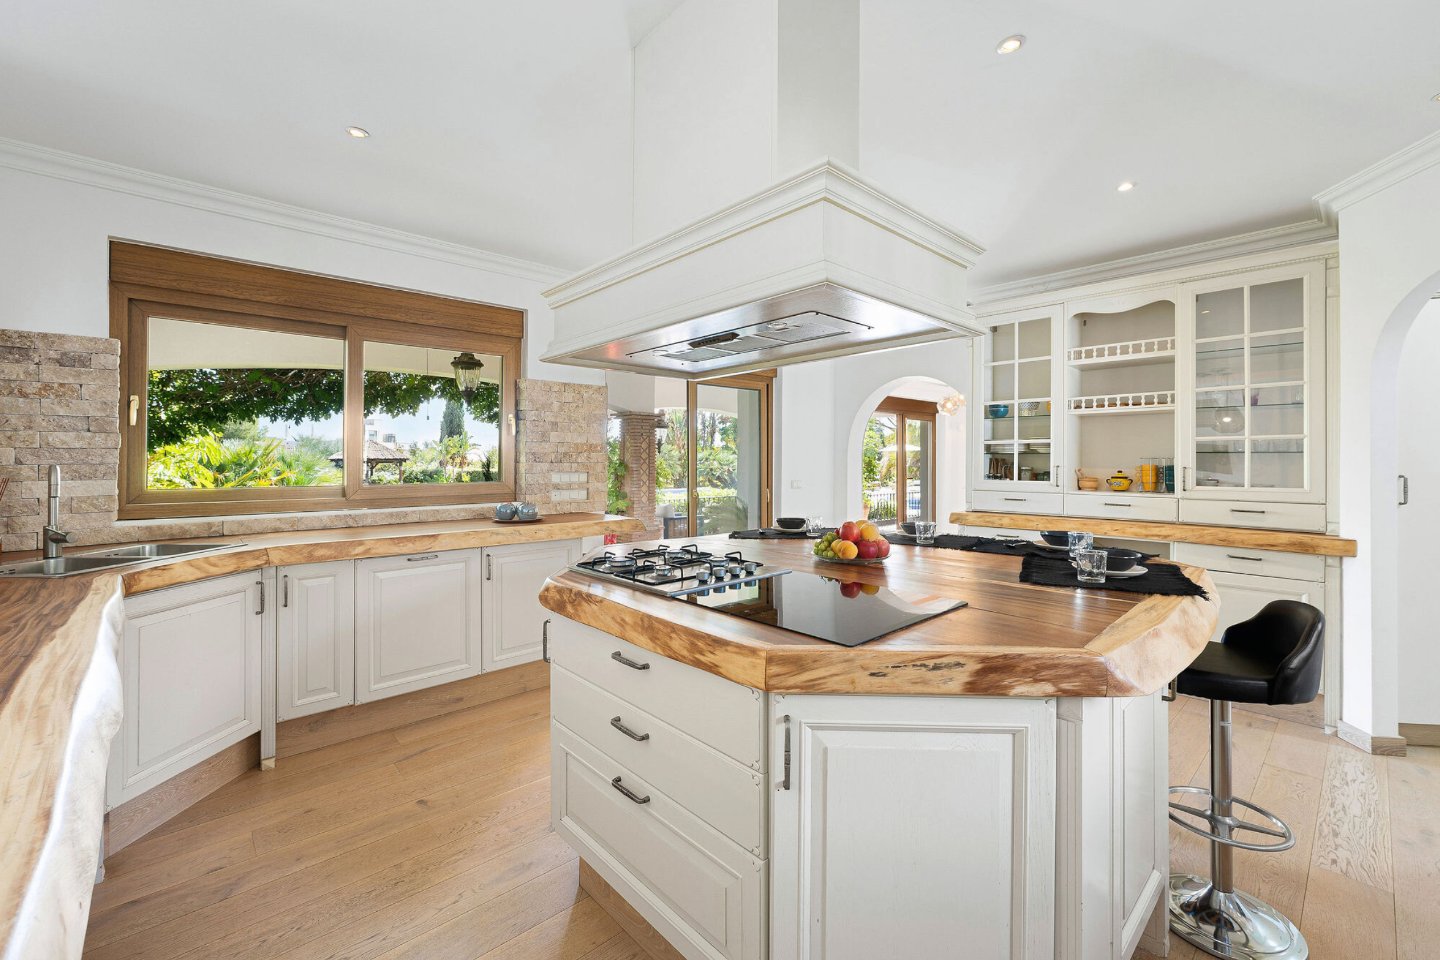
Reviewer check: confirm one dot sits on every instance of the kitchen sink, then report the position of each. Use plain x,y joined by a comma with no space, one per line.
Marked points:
74,563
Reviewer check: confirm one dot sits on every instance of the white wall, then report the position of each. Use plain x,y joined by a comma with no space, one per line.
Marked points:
1418,656
1389,266
821,410
57,215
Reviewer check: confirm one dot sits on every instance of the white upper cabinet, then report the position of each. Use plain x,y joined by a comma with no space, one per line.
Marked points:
1253,377
417,621
514,619
315,636
1018,373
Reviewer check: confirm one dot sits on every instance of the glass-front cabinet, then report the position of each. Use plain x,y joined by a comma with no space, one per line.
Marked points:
1255,424
1018,419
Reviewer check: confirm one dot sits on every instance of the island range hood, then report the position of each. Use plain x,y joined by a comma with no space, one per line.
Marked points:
821,264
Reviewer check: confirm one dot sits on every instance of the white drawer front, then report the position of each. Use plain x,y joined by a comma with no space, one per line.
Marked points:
692,884
1264,563
1273,516
724,715
1120,506
709,784
1006,501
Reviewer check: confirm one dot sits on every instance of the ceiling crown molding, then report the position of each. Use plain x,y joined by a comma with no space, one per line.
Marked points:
1401,165
59,165
1194,254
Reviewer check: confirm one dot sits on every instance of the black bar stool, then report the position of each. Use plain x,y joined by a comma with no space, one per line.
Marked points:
1274,657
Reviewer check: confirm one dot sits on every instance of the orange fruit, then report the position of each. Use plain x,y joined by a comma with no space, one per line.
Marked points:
868,531
846,550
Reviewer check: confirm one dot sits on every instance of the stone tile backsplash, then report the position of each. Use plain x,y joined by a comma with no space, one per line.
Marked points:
59,396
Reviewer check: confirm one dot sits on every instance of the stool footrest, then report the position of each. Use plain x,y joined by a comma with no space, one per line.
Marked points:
1229,825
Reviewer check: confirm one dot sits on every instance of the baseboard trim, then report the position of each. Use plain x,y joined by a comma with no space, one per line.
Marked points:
136,817
629,920
1421,734
1380,746
349,723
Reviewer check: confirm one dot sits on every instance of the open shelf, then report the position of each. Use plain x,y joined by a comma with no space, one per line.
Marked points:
1149,401
1128,353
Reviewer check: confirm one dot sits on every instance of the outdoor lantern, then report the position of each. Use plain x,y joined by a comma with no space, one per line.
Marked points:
661,428
467,373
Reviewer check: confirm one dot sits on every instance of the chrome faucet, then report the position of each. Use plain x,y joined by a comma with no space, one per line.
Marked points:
52,536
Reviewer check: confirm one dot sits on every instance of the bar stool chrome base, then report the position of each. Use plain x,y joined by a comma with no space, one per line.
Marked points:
1233,925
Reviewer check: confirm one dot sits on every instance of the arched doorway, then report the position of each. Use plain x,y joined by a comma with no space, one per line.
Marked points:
906,458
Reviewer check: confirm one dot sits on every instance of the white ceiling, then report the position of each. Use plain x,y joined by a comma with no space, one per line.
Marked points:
507,126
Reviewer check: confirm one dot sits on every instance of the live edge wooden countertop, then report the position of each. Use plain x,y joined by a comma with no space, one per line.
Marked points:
1013,639
48,631
1254,538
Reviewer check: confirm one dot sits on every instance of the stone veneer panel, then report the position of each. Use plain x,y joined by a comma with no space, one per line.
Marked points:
59,396
637,450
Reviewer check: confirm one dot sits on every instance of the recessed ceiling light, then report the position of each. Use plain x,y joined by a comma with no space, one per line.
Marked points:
1126,187
1436,98
1010,44
359,133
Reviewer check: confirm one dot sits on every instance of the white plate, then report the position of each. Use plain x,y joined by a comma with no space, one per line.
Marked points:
1123,574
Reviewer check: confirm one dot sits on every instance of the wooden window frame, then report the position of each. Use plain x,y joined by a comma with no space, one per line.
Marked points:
905,409
763,382
149,281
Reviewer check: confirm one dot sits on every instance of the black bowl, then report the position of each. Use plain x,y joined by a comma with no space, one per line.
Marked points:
1118,559
790,523
907,528
1056,538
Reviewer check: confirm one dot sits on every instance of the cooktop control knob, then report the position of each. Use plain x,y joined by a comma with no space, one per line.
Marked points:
750,566
702,575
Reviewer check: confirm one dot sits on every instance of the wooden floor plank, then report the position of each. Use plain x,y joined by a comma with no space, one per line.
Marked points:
1414,782
1345,919
618,947
1353,833
569,935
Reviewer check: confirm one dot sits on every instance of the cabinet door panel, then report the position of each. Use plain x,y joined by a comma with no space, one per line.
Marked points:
417,622
316,636
190,669
906,823
1241,596
513,615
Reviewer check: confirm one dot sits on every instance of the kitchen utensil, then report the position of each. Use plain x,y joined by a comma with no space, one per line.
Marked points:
1119,480
1086,483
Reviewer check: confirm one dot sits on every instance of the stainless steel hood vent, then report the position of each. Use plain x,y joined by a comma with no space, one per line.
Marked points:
820,265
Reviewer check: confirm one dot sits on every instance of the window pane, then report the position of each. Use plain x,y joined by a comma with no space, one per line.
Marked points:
1219,412
1220,463
1277,306
672,462
1220,314
1220,363
419,428
877,469
230,406
919,467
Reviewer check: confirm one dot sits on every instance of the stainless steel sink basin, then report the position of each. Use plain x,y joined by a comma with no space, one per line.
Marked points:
74,563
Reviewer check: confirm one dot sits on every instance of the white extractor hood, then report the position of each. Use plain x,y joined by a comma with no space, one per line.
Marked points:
822,264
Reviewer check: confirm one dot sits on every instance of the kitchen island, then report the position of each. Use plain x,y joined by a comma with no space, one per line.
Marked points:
987,783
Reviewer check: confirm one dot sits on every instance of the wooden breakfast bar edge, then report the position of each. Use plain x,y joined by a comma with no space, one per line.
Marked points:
1254,538
1133,645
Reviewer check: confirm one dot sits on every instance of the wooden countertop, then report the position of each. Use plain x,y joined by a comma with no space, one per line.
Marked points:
1254,538
48,634
1013,639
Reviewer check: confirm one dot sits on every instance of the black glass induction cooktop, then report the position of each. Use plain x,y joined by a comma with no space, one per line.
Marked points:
846,613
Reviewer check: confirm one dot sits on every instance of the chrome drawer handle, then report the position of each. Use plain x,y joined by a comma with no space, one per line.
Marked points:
619,657
428,556
1109,504
628,792
637,737
1015,499
1242,510
1236,556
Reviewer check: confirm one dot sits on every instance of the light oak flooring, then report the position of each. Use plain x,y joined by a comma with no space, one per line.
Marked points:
432,841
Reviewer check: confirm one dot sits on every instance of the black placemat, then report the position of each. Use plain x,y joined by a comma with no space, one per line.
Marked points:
765,534
952,541
1160,578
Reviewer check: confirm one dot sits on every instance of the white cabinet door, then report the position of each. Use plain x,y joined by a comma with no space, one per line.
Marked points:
1018,421
1252,384
514,619
1242,596
417,622
315,631
190,670
912,827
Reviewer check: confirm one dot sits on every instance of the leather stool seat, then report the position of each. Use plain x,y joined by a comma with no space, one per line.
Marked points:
1273,658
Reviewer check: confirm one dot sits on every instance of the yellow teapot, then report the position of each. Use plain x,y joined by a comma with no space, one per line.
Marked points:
1119,480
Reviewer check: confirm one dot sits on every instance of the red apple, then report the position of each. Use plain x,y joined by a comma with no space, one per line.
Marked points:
882,549
851,589
869,549
850,530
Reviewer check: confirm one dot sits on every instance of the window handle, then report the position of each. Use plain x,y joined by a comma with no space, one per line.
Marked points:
134,409
1404,490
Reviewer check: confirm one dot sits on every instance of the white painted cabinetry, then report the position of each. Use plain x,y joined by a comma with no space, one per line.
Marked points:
913,827
417,621
514,618
190,665
315,638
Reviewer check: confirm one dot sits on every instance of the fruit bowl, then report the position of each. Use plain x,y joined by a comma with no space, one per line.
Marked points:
854,543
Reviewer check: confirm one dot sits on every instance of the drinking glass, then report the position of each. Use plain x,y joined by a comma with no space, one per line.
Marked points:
925,532
1090,566
1080,541
814,526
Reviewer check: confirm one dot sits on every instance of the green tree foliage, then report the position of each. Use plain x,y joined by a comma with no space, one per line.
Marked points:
615,470
452,421
209,461
182,404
